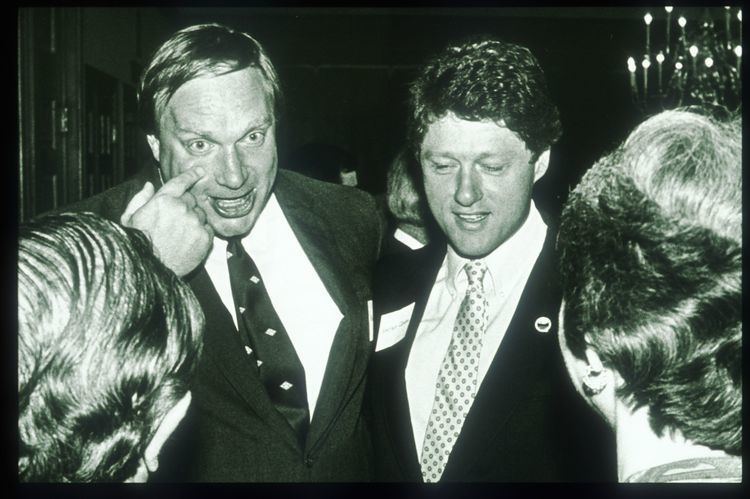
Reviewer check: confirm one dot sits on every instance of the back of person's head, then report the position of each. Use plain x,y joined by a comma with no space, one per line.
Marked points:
650,248
108,339
486,79
196,51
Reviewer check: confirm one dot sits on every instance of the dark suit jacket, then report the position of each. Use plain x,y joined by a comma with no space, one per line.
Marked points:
526,424
232,432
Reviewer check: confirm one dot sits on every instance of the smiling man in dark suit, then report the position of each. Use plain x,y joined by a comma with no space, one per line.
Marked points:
466,382
281,265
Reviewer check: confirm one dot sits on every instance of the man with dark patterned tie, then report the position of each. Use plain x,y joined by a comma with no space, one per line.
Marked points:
280,263
466,382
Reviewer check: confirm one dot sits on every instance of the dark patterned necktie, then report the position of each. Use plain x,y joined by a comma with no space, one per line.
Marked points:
266,343
458,377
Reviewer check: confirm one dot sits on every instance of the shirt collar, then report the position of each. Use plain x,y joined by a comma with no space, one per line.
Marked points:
266,226
506,262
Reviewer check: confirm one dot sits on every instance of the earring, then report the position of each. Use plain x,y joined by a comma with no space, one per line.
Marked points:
593,382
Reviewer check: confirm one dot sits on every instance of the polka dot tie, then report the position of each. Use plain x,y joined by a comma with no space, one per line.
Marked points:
457,380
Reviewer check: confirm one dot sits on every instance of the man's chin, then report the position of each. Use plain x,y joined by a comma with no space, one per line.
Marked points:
232,227
467,249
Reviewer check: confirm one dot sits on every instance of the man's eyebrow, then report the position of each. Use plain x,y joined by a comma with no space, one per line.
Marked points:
262,123
492,155
189,130
438,154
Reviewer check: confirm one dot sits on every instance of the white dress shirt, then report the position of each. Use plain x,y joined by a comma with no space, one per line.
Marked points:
508,269
307,311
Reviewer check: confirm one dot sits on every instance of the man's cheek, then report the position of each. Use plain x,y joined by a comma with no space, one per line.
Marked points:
183,162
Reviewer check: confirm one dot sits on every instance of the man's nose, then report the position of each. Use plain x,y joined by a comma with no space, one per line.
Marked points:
468,186
230,172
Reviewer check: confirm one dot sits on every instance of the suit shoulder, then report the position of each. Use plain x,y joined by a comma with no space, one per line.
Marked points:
426,256
327,192
350,214
351,209
111,203
407,273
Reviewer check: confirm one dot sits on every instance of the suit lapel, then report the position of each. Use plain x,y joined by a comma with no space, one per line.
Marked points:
224,348
522,353
349,352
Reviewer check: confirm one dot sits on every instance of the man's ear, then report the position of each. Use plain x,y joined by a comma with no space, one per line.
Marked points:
166,427
541,164
592,358
153,143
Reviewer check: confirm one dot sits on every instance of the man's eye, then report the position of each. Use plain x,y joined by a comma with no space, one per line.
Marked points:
255,138
442,168
199,146
494,168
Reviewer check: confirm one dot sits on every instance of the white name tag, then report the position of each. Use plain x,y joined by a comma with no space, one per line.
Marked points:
369,319
393,327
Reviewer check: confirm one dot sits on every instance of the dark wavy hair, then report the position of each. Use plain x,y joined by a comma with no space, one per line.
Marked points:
108,339
485,79
197,51
651,262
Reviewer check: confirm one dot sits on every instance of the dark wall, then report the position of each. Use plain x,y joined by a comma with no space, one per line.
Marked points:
345,73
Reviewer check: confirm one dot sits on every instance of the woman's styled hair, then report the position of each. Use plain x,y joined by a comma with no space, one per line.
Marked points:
108,339
405,201
204,49
485,79
651,262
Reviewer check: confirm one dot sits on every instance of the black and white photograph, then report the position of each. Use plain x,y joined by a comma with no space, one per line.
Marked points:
408,245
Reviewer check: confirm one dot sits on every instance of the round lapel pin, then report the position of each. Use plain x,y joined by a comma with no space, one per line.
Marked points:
543,324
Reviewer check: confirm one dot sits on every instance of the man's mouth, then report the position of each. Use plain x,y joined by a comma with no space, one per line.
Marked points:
472,217
234,207
471,220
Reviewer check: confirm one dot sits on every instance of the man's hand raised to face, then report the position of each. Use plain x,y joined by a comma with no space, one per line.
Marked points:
173,221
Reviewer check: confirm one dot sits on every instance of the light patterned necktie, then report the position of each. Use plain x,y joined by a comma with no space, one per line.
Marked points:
457,381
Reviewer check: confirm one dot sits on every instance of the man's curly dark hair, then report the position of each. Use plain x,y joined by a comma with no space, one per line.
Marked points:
485,79
651,262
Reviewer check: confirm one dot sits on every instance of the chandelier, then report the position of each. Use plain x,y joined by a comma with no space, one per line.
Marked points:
699,64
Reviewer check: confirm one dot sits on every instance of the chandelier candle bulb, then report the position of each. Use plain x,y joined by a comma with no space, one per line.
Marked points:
645,64
682,22
694,54
631,70
647,19
660,60
738,53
